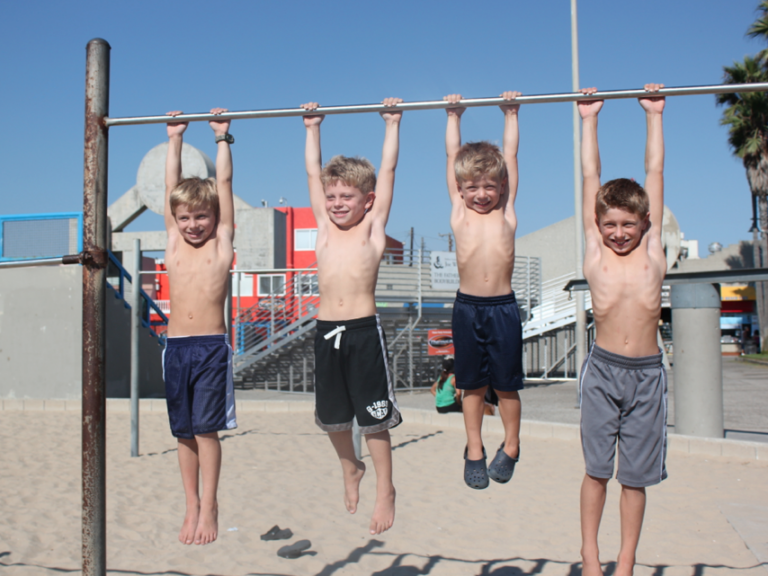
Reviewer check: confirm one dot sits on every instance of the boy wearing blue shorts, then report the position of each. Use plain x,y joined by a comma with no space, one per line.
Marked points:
197,368
487,333
623,385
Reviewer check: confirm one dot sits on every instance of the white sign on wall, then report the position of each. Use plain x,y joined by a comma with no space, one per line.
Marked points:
246,285
445,273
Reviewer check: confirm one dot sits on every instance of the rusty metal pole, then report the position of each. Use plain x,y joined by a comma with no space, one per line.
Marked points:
94,317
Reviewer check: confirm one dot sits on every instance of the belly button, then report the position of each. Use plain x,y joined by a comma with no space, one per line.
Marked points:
190,315
341,302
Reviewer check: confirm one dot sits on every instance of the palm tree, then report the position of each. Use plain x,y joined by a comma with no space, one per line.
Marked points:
759,29
746,116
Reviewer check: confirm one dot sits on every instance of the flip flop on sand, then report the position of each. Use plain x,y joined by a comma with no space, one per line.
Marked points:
275,533
502,466
475,472
294,550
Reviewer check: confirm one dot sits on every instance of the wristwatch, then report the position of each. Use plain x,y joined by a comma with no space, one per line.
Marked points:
228,138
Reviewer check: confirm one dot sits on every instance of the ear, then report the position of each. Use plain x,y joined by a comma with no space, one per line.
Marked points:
369,199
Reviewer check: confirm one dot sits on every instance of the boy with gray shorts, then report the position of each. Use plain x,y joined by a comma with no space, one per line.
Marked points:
623,385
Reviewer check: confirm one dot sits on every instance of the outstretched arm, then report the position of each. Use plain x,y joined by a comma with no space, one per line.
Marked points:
590,160
385,183
511,143
453,144
173,166
654,157
224,177
313,162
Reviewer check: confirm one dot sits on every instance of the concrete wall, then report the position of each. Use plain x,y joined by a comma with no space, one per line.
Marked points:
554,245
41,338
731,257
260,238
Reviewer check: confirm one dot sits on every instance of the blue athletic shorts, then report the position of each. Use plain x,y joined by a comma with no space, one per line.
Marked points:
198,385
488,339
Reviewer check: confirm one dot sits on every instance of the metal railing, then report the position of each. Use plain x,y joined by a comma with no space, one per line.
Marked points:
116,277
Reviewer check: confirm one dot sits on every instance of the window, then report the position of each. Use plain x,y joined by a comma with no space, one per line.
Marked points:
246,285
306,284
304,239
271,284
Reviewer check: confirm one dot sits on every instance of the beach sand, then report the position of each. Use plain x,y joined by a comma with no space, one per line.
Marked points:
279,468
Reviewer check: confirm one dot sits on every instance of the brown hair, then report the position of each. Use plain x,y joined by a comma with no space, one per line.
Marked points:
357,172
624,194
477,159
195,193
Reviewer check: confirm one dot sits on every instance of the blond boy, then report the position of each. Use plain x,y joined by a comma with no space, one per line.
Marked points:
199,219
352,378
487,333
623,384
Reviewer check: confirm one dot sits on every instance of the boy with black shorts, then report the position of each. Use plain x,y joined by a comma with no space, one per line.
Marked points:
197,362
352,378
623,384
487,333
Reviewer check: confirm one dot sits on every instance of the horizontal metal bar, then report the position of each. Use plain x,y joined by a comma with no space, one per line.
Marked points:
438,104
711,276
40,262
265,271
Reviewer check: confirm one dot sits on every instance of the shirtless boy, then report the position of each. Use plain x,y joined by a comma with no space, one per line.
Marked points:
352,378
623,384
197,368
487,334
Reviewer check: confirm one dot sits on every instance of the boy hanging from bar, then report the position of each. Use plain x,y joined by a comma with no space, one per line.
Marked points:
623,387
197,362
487,332
352,377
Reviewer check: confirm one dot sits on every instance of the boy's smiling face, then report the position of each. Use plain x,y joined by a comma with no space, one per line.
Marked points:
621,230
481,194
346,205
195,225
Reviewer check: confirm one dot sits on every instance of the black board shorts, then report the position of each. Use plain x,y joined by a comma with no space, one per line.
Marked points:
352,377
624,400
488,342
199,389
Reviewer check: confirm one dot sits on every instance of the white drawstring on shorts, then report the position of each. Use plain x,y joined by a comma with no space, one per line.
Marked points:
336,332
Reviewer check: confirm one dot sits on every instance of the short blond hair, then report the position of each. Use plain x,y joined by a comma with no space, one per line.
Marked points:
624,194
357,172
195,193
477,159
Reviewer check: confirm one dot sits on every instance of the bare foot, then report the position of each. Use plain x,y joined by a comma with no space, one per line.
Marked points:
187,533
591,568
352,487
383,511
208,525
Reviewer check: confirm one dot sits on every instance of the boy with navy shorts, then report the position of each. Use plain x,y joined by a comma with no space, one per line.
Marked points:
352,378
623,386
197,362
487,333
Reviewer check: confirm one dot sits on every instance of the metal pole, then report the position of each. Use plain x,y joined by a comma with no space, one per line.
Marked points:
357,438
94,527
581,314
136,310
441,104
69,259
698,365
228,312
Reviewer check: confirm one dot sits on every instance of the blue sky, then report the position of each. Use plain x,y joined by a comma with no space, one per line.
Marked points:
253,55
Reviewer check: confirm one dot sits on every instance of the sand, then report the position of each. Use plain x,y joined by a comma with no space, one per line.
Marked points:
280,469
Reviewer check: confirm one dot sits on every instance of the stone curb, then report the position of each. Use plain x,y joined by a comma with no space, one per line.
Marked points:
531,428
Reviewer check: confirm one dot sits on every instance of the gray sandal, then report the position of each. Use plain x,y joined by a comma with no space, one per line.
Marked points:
475,472
503,466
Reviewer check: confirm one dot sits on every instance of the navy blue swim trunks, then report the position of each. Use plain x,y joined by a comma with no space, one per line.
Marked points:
199,389
488,339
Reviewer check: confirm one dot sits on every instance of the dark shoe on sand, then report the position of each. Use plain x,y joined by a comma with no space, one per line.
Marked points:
275,533
475,472
502,466
294,550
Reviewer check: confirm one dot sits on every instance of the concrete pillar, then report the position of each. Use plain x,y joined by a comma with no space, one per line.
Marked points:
698,365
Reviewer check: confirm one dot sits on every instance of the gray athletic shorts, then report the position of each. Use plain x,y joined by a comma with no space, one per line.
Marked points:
624,398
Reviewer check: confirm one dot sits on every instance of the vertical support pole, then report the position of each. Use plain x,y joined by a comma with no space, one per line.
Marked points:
546,357
698,360
304,372
237,326
290,377
581,314
136,310
94,528
357,438
228,312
